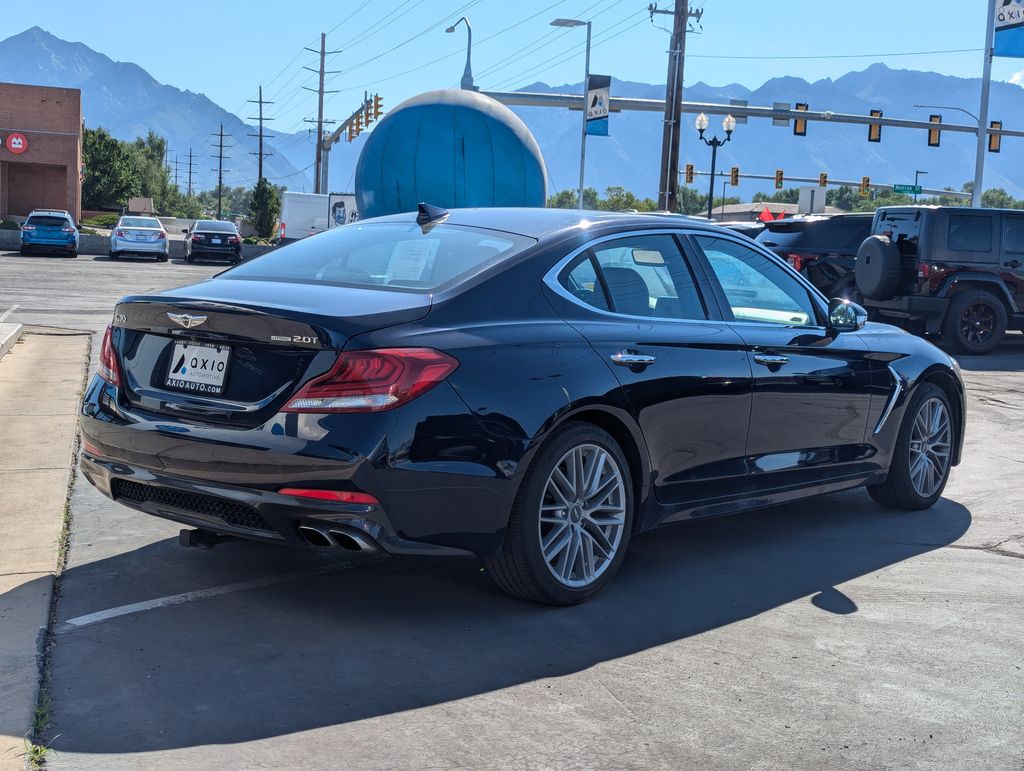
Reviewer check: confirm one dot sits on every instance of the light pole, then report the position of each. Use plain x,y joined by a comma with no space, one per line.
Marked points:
917,175
467,75
729,125
586,77
979,161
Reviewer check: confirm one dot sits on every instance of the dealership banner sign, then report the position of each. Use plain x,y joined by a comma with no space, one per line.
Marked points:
598,96
1009,40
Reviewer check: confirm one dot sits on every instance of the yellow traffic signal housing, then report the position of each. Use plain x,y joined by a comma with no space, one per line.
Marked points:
734,176
358,123
800,124
779,179
351,132
378,106
688,174
933,134
823,180
875,129
367,114
994,139
865,186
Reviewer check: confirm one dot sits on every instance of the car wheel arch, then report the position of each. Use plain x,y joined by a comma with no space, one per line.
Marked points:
991,284
936,375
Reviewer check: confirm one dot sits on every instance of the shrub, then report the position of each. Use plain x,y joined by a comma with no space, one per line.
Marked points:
9,225
102,220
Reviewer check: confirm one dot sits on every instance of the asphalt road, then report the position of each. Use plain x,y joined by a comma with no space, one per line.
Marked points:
827,633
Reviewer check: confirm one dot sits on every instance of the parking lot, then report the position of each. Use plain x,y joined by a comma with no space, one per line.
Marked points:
830,632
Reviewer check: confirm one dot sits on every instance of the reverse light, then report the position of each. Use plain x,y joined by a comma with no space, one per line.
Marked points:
336,496
108,368
374,380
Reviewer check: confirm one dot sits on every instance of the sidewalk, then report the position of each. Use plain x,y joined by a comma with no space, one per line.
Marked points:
40,384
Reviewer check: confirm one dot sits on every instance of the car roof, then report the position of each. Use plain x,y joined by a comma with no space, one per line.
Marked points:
542,223
49,211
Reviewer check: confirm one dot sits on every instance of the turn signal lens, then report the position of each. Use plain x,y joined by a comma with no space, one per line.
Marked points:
108,368
375,380
337,496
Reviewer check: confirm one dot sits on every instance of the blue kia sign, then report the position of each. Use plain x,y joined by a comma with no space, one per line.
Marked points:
1009,39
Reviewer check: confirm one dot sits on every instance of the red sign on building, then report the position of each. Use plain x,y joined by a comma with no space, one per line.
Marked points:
16,143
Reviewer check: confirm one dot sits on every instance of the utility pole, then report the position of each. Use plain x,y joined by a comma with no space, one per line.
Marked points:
190,163
175,164
668,189
220,168
260,155
986,85
318,159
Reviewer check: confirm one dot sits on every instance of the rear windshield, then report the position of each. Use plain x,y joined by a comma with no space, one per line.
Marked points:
47,220
386,255
215,226
140,222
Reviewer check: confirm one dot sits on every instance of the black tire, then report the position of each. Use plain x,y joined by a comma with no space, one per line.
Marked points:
161,258
114,255
72,255
520,567
23,251
975,322
878,268
898,491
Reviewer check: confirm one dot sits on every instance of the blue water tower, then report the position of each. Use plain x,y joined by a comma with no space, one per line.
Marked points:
450,148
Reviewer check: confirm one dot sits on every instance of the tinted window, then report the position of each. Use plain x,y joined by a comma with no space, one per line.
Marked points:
755,286
969,233
646,276
386,255
582,282
140,222
46,221
1013,233
215,226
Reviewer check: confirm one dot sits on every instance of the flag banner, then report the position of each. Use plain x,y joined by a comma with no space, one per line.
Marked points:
598,96
1009,40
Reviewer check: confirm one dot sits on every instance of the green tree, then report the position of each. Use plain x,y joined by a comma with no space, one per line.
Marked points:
110,177
689,201
788,195
264,208
997,198
843,197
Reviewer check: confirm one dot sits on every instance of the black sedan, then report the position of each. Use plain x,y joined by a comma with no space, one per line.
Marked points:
213,239
533,387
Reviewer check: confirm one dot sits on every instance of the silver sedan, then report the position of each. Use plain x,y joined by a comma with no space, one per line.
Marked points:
139,235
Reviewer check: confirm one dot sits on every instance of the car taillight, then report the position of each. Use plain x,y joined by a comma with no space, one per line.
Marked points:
108,368
28,227
371,381
198,237
119,233
923,270
68,230
798,260
336,496
235,240
161,235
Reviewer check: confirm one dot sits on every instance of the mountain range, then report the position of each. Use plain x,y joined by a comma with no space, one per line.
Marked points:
126,100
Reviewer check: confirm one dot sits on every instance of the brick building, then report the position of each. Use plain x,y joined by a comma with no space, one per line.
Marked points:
40,149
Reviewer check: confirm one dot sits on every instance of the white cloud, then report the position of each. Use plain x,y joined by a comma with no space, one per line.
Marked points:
1017,78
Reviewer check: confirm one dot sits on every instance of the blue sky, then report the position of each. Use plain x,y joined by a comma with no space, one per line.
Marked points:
225,49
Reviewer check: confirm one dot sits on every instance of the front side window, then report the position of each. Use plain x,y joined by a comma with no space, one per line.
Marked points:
755,286
969,233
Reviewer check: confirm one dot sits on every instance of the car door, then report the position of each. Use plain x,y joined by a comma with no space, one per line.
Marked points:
685,375
812,386
1012,262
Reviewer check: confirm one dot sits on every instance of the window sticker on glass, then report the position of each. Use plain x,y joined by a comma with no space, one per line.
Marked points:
412,261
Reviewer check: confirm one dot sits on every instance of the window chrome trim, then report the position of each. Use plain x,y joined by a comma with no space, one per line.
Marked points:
899,384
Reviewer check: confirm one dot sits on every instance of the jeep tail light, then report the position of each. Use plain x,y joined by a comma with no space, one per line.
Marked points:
108,368
798,261
924,270
335,496
374,380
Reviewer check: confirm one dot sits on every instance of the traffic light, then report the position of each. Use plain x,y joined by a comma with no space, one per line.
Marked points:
367,113
823,180
933,134
993,139
688,174
778,179
359,123
865,186
800,124
378,106
734,176
351,132
875,129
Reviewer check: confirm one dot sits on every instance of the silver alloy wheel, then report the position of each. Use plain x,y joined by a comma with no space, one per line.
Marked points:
582,515
930,447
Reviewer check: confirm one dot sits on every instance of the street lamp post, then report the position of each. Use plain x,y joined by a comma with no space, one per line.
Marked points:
467,75
586,77
917,175
729,125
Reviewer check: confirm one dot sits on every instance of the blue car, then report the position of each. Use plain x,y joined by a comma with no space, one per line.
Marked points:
50,230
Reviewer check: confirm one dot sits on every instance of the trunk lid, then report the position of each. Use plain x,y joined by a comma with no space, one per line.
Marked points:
245,345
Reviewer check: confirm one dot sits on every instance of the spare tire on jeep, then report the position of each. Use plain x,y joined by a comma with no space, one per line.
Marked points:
878,268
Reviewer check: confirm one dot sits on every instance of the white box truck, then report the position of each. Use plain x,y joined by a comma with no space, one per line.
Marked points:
305,214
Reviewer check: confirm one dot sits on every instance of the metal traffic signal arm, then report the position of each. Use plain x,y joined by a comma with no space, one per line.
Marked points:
854,183
369,111
617,104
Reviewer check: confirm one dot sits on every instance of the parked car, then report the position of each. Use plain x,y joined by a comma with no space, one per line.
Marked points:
50,230
955,272
822,248
749,229
213,238
140,236
532,386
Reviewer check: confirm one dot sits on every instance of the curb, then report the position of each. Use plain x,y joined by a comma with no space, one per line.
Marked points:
9,335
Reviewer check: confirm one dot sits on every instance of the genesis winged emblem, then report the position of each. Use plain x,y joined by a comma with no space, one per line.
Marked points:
186,320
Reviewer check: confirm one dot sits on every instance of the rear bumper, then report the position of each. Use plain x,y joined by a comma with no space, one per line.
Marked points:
216,251
125,246
49,246
912,307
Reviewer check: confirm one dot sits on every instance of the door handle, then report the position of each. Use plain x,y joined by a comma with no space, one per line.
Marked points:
770,359
1012,264
632,359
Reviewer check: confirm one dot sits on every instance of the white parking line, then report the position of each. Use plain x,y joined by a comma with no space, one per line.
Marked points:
177,599
8,312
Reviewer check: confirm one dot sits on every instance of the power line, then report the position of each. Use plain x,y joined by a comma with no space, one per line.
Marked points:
842,56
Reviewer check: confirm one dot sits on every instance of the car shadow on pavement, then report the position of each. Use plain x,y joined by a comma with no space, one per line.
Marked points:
407,633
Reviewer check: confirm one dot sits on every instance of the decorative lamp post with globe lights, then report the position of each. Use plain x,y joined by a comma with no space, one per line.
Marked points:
729,125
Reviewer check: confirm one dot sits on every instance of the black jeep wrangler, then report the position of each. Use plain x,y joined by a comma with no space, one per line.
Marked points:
951,271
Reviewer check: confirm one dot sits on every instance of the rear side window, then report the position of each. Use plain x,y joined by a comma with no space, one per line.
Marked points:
969,233
47,221
1013,233
397,256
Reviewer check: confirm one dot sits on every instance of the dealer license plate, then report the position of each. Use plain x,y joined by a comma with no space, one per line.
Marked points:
199,367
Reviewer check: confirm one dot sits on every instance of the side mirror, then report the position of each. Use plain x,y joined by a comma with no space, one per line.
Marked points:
184,230
845,316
